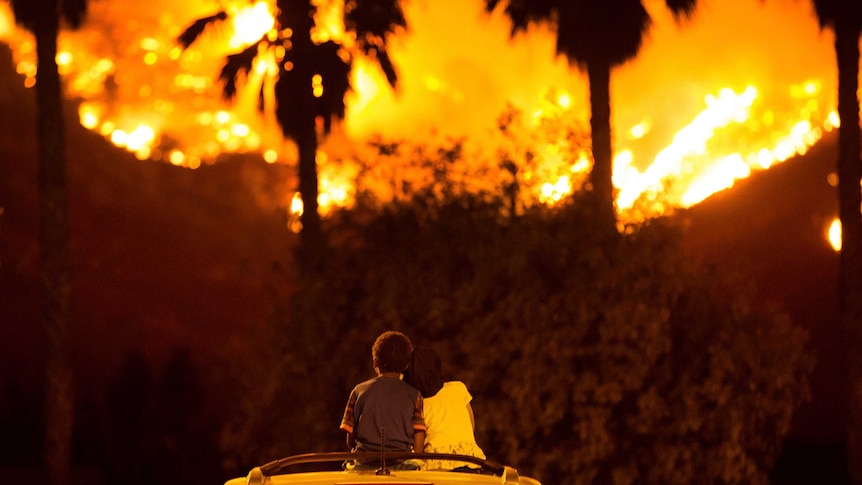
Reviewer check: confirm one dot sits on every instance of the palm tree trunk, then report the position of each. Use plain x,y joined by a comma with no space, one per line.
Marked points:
311,243
55,275
599,74
850,263
310,237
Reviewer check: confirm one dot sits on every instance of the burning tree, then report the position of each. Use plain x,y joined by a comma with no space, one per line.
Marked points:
44,18
844,17
312,79
598,36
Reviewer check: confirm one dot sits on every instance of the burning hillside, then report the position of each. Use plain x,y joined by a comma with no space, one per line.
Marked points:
738,88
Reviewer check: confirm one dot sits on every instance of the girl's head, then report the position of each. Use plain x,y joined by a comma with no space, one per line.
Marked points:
425,372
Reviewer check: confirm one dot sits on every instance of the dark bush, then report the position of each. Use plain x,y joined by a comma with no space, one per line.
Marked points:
590,359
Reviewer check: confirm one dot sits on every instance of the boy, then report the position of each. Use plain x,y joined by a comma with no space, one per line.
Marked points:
386,402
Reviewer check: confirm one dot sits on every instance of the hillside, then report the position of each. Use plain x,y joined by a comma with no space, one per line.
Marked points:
771,227
163,257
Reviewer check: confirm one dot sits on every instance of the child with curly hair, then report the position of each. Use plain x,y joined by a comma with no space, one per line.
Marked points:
386,402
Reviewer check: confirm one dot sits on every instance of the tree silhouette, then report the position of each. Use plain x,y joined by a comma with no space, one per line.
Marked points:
312,79
43,18
844,17
597,36
128,422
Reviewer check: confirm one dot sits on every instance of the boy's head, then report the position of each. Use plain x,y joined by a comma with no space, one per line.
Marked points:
391,352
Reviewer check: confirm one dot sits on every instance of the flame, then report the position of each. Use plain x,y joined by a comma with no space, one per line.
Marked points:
250,23
690,141
833,234
7,24
684,126
694,160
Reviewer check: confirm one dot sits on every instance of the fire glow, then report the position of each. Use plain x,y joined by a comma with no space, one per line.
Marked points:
680,134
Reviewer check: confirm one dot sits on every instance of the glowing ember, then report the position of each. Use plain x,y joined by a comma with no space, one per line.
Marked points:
833,234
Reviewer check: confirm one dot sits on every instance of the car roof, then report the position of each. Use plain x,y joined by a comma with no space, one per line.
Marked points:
379,468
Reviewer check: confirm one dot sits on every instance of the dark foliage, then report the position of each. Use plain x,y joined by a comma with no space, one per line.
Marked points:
237,65
193,31
373,21
587,360
609,32
20,420
322,60
158,429
29,13
835,13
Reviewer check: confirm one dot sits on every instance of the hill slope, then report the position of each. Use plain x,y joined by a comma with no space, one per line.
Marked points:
162,256
772,228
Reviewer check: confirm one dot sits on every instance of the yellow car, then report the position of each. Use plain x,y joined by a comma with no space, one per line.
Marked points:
392,468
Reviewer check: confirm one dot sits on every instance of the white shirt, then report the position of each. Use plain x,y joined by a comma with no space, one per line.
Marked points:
449,428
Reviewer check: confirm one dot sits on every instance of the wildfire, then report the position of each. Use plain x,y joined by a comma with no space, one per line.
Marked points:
833,234
695,162
250,23
672,149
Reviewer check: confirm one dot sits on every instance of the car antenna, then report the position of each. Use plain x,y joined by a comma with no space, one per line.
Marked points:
382,470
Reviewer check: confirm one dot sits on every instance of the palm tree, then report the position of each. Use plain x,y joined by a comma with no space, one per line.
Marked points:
43,18
844,17
597,35
303,69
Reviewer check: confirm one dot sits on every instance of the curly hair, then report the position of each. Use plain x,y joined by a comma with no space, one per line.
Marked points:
392,351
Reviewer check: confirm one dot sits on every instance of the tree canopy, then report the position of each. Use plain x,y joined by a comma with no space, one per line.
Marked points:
588,362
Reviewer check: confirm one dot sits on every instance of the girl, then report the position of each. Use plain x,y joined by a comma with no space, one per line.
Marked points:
449,421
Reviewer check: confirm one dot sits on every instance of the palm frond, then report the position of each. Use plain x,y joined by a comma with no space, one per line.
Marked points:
611,31
374,19
372,22
26,14
335,75
235,65
681,8
388,67
845,12
193,31
74,12
522,13
491,5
